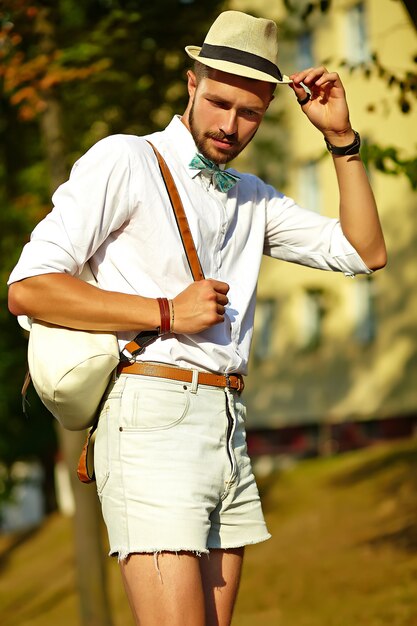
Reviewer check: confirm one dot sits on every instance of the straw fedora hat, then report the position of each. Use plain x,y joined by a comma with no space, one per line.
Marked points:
240,44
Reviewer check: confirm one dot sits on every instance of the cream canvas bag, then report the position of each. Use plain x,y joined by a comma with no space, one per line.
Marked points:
70,369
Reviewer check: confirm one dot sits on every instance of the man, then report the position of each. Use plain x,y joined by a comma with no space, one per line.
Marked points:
177,491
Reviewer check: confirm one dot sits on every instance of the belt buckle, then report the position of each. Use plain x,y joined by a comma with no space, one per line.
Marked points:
240,383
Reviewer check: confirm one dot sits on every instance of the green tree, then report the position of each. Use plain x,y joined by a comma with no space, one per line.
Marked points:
118,67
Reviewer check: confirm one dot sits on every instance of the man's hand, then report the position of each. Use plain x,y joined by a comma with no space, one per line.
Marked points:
200,306
327,108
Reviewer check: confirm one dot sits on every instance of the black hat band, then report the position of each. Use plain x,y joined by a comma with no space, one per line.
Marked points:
224,53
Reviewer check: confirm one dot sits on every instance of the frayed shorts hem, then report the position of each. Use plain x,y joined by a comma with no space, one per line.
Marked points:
241,544
122,554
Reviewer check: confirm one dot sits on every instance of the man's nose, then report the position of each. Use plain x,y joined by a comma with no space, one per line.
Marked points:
229,123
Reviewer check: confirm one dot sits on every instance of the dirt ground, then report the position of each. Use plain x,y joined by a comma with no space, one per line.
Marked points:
343,551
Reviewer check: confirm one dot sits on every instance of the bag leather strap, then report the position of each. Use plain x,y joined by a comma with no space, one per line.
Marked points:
181,218
143,339
85,475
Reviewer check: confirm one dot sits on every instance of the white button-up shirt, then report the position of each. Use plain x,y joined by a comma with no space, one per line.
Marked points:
114,210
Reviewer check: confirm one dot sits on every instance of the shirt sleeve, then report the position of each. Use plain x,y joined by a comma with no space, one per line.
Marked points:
301,236
93,203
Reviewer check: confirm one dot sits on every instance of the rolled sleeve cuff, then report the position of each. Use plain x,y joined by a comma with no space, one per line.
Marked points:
346,257
42,257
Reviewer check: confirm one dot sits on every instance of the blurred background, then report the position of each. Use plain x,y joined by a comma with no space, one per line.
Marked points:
332,390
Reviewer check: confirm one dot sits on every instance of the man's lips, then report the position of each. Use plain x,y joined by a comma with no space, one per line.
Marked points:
222,143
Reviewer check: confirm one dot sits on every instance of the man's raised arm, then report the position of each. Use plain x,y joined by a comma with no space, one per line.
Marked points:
327,110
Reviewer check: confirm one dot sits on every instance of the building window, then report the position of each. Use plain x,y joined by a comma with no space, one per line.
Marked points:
264,326
308,184
305,57
365,327
312,314
357,41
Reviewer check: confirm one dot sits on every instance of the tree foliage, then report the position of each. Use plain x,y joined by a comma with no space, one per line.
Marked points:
115,66
401,84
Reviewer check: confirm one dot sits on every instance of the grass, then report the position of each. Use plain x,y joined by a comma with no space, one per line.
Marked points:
343,551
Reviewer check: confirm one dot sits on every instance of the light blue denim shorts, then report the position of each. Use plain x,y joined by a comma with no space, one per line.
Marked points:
172,468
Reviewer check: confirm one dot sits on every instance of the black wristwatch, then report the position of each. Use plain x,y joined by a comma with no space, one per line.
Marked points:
352,148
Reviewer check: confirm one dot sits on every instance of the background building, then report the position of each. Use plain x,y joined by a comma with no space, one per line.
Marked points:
335,355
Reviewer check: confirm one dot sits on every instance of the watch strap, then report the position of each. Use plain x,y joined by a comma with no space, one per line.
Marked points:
352,148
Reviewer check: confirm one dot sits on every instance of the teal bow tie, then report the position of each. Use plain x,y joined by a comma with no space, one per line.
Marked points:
222,180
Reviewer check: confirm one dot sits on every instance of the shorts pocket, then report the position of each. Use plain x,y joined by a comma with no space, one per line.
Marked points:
153,405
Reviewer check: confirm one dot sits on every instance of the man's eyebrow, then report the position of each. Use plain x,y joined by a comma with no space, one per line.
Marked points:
215,96
218,98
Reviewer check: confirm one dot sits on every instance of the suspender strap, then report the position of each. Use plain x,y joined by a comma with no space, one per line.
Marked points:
181,218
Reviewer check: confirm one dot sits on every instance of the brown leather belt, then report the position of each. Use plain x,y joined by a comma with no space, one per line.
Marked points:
229,381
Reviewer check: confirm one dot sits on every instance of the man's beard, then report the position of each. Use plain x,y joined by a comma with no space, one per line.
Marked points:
202,141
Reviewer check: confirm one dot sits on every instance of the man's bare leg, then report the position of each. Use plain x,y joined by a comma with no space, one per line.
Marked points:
183,589
220,571
164,589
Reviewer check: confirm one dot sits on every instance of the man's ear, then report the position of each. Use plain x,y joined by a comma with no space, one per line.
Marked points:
191,83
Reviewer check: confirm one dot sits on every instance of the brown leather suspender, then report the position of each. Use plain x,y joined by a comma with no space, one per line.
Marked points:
181,218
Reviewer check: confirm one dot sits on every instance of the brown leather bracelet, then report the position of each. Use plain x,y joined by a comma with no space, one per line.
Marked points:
165,316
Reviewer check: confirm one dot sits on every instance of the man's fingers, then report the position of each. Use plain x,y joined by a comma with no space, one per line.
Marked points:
220,289
298,77
222,299
314,76
218,285
309,75
299,90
